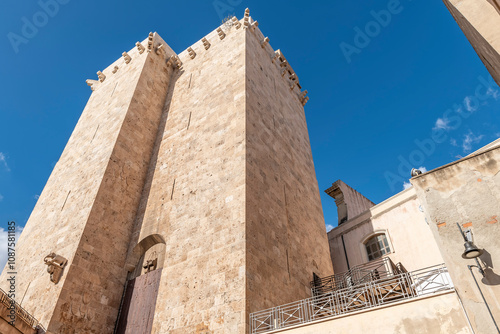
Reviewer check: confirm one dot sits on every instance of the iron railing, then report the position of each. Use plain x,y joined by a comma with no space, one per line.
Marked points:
385,290
357,275
21,313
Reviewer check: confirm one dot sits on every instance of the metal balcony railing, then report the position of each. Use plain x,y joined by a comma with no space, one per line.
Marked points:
21,313
382,291
357,275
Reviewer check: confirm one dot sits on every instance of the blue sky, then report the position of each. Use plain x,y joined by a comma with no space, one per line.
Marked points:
377,104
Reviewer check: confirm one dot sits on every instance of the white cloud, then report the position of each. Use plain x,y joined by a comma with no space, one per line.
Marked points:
423,169
469,105
3,161
453,142
329,227
470,139
36,197
493,93
442,123
3,244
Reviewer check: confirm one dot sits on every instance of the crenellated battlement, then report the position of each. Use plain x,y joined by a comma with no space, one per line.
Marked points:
276,56
153,45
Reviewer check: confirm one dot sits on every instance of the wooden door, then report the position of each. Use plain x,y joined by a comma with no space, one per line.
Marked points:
138,307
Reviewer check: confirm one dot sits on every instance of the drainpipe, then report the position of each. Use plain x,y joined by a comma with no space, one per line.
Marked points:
481,292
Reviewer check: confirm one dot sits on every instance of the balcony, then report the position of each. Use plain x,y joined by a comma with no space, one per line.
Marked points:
371,285
24,322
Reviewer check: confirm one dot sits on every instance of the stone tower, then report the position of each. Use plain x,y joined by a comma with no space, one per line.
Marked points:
480,22
186,197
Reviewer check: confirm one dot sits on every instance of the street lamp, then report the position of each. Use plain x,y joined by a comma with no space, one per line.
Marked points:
473,252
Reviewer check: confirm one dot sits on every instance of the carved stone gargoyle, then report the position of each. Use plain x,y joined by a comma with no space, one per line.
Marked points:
56,264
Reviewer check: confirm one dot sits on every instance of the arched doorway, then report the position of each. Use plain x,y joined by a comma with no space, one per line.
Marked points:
139,298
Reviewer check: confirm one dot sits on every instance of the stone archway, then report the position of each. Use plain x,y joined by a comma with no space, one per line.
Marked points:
139,298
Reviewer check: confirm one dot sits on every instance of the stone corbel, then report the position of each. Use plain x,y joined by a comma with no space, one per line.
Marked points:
150,42
236,22
170,61
264,42
303,98
254,25
101,76
275,56
56,264
221,33
294,78
115,69
246,18
140,47
92,83
191,52
159,50
206,43
126,57
174,60
178,62
302,94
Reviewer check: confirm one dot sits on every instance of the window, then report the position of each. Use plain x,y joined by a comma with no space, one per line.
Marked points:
377,246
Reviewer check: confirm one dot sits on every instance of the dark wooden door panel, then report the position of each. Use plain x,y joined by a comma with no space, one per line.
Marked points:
136,316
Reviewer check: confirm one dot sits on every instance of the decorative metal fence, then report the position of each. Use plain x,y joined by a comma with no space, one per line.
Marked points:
21,313
389,289
363,273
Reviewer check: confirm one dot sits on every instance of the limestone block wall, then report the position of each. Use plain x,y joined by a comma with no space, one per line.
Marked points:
86,209
232,145
286,239
467,192
194,199
479,20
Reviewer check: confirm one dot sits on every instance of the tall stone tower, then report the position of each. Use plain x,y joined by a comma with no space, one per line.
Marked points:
480,22
186,197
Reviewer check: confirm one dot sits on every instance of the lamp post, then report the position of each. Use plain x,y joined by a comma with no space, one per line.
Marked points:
473,252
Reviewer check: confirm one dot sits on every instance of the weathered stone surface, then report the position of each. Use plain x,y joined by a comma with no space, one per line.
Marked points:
468,192
286,240
86,210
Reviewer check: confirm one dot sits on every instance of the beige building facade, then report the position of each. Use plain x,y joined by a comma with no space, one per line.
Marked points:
399,221
401,266
467,192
